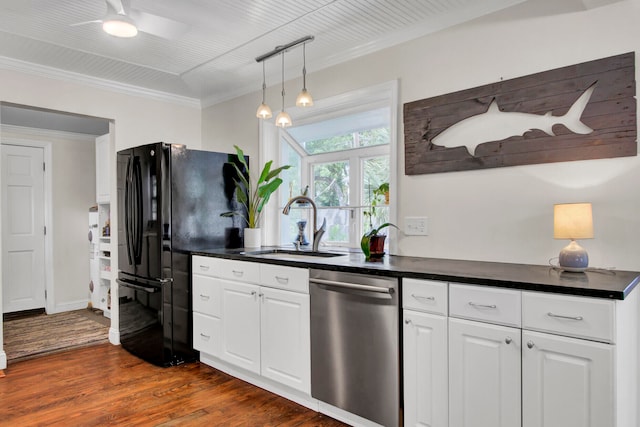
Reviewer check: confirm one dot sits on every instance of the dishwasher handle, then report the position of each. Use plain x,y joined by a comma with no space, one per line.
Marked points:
355,286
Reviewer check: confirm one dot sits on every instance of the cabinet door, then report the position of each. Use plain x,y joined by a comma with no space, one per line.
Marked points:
102,169
425,370
241,325
567,382
484,375
285,337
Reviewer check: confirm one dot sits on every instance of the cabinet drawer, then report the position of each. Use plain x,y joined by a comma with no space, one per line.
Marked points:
493,305
289,278
424,295
579,317
248,272
207,295
207,334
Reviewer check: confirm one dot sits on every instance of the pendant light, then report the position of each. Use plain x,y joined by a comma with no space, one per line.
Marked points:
283,119
304,98
264,112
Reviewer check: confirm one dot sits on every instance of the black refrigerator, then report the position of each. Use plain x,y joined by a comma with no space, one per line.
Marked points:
169,204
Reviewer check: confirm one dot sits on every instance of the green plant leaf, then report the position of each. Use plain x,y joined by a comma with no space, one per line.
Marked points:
364,245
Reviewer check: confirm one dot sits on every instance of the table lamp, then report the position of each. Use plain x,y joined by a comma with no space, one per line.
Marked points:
573,221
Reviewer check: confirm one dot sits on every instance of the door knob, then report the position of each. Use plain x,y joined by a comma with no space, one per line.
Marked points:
530,344
508,340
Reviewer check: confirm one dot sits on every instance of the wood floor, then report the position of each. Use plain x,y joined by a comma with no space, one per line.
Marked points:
105,385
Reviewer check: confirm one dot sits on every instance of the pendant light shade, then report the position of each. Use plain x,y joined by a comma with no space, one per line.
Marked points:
264,112
283,119
304,98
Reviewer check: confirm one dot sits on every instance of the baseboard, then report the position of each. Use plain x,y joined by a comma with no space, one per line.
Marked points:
3,360
70,306
344,416
114,336
260,381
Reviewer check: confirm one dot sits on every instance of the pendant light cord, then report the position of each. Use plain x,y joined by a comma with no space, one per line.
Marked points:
304,66
264,82
282,80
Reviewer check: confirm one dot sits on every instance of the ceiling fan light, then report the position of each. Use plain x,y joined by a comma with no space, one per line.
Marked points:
304,99
119,26
283,119
264,112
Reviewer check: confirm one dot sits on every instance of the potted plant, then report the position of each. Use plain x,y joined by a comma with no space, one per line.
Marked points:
253,196
372,243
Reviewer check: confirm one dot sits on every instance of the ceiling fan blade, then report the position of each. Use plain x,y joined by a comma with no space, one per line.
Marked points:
95,21
158,25
115,7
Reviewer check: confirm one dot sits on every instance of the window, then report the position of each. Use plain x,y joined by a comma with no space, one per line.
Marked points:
340,151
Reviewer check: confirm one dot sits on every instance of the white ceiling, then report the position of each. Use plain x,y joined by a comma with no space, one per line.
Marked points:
210,54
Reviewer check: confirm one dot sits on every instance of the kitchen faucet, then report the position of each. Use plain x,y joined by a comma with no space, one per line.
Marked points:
317,233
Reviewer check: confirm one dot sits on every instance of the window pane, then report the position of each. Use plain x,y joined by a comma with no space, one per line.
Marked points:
331,183
336,143
291,178
367,138
375,172
337,225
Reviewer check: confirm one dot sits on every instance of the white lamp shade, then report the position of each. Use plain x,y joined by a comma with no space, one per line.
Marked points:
283,119
304,99
264,112
572,221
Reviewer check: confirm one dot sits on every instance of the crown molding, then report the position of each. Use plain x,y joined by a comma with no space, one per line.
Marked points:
110,85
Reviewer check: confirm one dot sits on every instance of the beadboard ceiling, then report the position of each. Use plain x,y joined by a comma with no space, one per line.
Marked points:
205,50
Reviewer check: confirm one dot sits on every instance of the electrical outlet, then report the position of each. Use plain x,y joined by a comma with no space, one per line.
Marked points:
415,226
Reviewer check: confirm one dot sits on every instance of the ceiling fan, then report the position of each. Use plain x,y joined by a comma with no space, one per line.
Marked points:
123,21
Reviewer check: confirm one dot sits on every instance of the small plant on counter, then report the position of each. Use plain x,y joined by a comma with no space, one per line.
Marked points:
372,243
252,196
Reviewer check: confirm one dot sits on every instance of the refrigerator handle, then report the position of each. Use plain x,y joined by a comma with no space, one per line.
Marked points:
127,210
137,243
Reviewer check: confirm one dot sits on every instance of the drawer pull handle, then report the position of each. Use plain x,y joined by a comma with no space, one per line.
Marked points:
204,267
550,314
420,297
492,306
206,337
237,273
205,297
407,321
530,344
508,340
253,293
283,280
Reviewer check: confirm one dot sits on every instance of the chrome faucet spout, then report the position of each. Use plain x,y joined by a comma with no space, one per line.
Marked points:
317,234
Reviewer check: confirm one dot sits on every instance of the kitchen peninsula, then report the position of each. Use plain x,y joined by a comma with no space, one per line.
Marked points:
503,344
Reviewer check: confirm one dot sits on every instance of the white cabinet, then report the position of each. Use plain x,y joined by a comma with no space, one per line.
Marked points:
425,369
255,317
240,325
285,337
567,382
484,374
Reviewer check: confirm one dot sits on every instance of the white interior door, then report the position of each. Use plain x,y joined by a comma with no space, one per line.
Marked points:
23,278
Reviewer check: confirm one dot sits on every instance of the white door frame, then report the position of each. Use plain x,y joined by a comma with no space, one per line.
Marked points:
48,218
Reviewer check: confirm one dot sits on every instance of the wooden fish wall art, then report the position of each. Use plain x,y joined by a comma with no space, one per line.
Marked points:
580,112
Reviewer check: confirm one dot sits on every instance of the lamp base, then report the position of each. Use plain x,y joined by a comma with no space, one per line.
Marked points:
573,258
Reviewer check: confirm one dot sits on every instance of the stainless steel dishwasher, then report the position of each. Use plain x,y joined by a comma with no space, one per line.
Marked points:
355,344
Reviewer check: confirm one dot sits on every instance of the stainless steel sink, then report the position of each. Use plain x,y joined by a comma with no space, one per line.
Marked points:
292,255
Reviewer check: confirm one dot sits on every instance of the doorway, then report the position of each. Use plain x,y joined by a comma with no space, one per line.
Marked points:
69,192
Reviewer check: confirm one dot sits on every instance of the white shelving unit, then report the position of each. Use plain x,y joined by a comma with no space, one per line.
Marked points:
103,197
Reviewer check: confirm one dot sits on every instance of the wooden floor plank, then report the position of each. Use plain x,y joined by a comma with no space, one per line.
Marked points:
105,385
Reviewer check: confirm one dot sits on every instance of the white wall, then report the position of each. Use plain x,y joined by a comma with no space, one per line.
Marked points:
505,214
136,120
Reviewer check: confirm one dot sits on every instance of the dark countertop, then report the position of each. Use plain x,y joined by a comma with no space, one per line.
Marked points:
613,284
